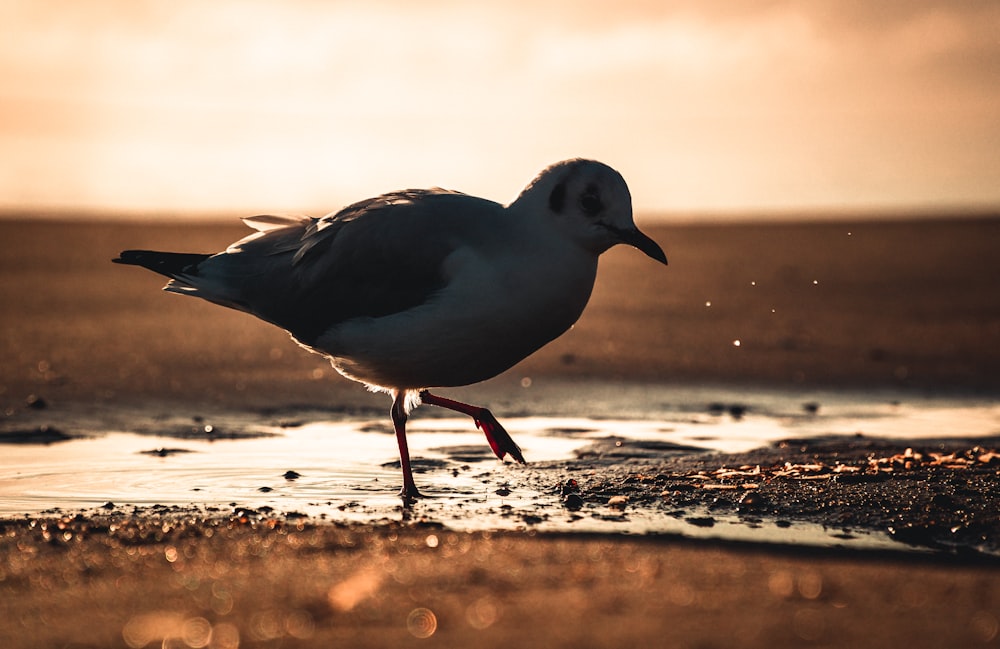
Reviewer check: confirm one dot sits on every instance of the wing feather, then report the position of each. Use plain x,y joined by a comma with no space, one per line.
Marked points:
374,258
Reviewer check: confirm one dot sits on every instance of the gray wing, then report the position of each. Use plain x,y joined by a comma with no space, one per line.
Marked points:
374,258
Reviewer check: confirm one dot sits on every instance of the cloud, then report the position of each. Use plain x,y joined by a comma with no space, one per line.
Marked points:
716,104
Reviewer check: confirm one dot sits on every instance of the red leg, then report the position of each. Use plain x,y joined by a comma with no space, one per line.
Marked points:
398,412
500,441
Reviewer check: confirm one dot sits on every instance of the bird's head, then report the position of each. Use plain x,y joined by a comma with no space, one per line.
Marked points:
591,203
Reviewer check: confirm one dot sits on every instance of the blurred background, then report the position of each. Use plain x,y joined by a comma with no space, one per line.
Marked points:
717,106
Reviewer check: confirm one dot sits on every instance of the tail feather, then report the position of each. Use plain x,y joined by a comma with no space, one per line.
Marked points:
169,264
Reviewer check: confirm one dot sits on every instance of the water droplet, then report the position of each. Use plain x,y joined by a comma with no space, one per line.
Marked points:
737,343
421,623
809,624
225,636
482,613
810,585
985,625
196,632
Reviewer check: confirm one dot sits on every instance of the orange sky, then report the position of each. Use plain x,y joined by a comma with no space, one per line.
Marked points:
271,105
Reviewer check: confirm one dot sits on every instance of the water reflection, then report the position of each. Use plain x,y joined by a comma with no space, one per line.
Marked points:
348,470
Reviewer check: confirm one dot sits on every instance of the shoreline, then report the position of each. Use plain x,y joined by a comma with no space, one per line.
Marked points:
939,495
903,306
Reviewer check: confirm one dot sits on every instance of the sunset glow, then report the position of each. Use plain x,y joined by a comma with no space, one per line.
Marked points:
703,106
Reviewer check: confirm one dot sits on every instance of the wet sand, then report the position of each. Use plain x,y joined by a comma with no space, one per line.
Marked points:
900,304
907,305
152,581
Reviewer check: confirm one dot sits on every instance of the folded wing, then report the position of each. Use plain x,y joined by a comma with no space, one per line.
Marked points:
306,274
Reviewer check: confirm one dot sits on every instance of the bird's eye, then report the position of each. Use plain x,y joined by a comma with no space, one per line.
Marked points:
590,201
557,197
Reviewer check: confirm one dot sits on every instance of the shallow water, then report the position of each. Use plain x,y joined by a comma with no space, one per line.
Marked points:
347,470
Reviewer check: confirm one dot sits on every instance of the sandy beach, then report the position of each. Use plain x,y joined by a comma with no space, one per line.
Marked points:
903,305
233,582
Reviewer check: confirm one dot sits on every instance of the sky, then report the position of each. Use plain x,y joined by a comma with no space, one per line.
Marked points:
183,106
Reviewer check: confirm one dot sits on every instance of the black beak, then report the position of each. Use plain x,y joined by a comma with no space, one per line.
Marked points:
639,240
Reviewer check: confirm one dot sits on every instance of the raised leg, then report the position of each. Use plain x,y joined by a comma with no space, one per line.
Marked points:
398,412
498,438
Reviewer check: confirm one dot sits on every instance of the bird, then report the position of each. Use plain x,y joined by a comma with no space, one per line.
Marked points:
423,289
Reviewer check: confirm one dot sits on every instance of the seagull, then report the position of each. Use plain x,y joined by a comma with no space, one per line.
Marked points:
423,288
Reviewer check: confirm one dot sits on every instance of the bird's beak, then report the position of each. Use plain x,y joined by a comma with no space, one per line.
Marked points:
637,239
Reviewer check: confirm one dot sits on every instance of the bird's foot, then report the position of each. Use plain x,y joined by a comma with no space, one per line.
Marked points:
499,439
410,495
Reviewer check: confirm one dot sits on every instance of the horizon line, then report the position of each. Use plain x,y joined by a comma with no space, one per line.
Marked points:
658,216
